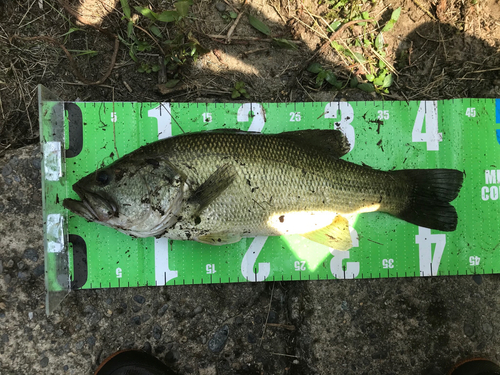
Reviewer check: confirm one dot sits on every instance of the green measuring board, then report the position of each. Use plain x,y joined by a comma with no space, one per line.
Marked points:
79,137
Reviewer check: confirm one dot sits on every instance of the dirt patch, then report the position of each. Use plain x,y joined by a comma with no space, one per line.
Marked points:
443,49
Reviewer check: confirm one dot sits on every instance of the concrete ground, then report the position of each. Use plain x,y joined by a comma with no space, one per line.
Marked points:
388,326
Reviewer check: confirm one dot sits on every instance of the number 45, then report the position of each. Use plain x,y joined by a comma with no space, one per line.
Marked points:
470,112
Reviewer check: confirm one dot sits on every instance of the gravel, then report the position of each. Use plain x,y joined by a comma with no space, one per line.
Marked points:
219,339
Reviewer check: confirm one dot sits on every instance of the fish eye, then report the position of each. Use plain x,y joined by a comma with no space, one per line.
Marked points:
103,178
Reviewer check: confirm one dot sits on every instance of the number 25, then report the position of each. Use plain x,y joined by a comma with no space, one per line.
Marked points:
295,117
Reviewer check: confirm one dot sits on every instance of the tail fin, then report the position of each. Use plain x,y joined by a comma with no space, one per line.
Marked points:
431,191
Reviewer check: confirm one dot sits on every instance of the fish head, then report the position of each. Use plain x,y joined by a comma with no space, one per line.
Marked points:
137,197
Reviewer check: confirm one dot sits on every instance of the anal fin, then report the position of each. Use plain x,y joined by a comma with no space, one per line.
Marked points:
336,235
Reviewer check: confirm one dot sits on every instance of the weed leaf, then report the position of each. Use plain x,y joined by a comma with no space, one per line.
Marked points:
366,87
379,42
155,30
379,81
168,16
388,80
359,57
284,43
320,78
332,79
334,26
146,12
132,52
130,28
171,83
259,25
314,68
395,15
182,7
125,8
71,30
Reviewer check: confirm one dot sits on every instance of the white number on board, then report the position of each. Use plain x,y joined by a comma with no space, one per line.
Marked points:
345,118
388,263
163,273
427,113
118,272
429,264
207,117
163,118
383,115
210,268
351,270
474,260
295,117
249,266
470,112
258,119
300,265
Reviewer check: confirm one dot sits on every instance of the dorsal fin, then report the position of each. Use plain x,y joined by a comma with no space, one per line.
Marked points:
331,141
334,142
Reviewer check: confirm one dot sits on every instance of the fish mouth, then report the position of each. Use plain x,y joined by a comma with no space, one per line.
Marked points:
93,206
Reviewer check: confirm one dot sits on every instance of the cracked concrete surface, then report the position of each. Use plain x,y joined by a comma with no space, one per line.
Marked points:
385,326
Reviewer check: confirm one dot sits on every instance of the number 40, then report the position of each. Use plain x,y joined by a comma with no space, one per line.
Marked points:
427,113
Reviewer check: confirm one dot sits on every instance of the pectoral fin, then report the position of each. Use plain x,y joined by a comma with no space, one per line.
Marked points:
218,238
214,186
336,235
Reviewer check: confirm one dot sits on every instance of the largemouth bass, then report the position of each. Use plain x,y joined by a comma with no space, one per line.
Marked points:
217,187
